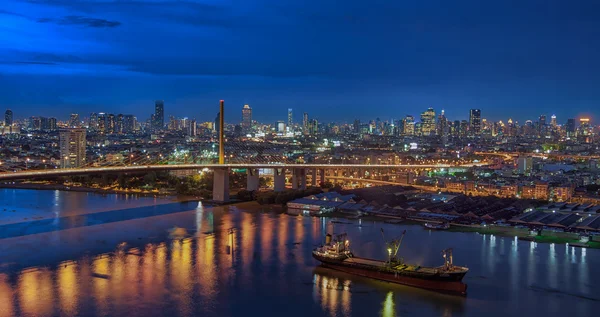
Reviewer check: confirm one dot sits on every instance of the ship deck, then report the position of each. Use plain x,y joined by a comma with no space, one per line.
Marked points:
382,264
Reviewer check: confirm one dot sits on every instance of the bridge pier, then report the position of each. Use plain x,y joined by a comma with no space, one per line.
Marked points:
299,178
279,179
313,180
322,176
253,179
221,184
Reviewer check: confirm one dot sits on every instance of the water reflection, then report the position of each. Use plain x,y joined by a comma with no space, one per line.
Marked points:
389,308
270,265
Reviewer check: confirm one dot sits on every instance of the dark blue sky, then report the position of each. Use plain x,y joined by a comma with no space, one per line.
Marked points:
336,60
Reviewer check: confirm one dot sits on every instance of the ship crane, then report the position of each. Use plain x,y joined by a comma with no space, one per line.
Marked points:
393,246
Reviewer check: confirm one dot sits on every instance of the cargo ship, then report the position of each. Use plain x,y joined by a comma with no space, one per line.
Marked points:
447,278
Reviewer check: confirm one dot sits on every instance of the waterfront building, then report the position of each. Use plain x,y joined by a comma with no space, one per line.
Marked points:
72,147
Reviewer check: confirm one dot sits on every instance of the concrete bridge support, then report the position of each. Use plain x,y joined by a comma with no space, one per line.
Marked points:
322,176
221,184
279,179
313,180
299,178
253,179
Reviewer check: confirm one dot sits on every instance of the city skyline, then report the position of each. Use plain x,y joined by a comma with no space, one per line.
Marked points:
231,117
90,56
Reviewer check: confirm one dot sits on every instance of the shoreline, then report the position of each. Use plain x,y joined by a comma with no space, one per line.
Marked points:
523,234
99,191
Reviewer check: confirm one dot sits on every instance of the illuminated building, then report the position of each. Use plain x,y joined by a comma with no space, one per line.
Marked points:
290,120
409,125
72,147
74,120
158,119
428,122
475,121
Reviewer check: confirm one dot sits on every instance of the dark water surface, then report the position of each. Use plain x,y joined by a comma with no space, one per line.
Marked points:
131,267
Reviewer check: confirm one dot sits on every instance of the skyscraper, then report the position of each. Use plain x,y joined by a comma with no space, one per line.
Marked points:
409,125
553,121
305,123
158,120
290,120
93,123
72,147
246,118
428,122
475,121
102,123
8,118
120,124
570,128
74,120
128,123
110,123
192,129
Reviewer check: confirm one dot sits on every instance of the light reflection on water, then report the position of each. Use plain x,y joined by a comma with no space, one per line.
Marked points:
271,269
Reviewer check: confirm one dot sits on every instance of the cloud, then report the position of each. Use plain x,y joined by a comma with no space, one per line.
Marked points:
80,20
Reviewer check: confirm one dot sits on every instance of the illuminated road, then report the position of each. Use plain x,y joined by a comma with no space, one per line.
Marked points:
29,174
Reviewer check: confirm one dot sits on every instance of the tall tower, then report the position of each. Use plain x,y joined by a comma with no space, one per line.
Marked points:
72,147
8,118
290,119
246,118
428,122
159,115
553,121
475,121
222,132
305,122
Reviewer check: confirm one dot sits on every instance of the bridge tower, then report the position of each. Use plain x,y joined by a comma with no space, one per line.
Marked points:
221,174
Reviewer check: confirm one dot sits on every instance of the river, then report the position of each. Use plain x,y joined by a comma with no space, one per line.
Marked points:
80,254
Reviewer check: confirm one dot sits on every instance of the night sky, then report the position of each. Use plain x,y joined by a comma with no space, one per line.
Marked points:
336,60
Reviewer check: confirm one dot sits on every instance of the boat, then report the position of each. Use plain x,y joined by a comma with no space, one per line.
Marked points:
336,254
437,226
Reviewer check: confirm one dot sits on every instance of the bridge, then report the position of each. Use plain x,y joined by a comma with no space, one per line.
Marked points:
299,172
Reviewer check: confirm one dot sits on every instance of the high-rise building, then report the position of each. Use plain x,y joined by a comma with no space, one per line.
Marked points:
570,128
158,120
192,129
74,121
93,123
475,121
216,126
72,147
305,123
290,120
110,123
52,126
246,118
8,118
428,122
553,121
584,127
128,124
120,124
409,125
280,126
524,165
102,119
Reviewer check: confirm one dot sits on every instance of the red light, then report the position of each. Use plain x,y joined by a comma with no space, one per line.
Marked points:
222,100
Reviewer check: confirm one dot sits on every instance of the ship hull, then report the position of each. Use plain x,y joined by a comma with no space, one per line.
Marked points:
450,284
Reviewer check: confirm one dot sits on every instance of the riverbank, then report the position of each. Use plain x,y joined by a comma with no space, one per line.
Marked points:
101,191
570,238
